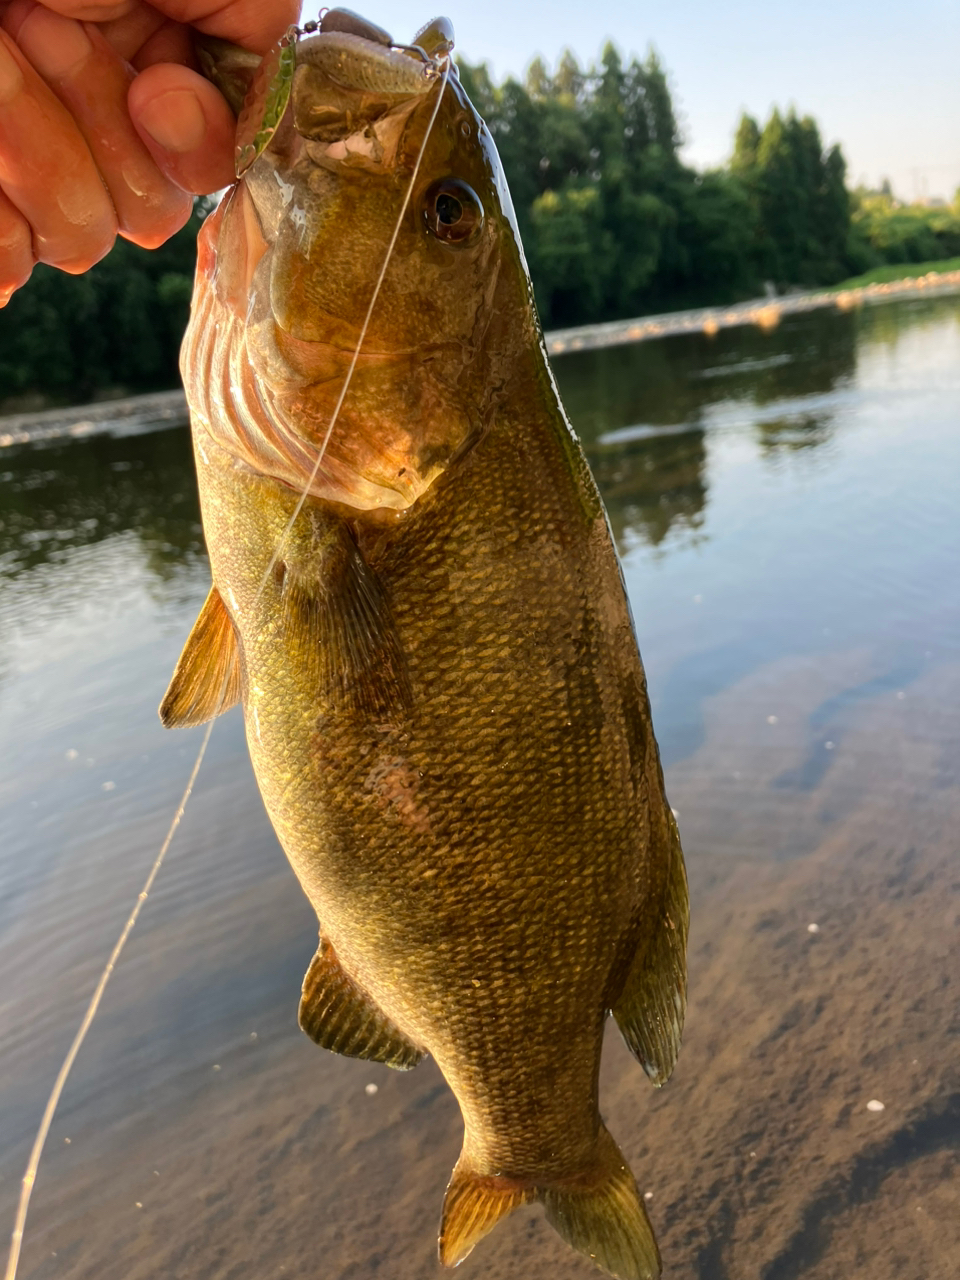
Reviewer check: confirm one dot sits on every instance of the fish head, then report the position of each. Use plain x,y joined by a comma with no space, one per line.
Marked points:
370,244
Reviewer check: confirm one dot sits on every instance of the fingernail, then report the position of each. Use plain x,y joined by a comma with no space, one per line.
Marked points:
11,77
175,120
56,46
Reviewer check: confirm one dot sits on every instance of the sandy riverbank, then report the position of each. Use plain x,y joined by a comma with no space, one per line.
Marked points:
762,1157
764,312
126,415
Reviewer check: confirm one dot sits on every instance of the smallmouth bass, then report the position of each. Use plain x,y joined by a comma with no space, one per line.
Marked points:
444,703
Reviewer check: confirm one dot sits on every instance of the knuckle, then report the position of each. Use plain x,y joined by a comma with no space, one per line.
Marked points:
13,279
16,252
154,230
78,256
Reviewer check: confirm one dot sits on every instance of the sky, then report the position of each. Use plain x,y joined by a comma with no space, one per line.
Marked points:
880,77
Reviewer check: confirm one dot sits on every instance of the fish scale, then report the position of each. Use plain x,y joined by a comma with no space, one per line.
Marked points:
445,707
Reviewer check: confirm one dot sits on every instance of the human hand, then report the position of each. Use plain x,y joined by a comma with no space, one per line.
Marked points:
105,126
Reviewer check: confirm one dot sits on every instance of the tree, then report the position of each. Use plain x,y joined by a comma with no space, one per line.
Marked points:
117,327
799,197
613,222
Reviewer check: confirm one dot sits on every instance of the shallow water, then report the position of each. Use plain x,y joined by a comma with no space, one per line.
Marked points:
788,508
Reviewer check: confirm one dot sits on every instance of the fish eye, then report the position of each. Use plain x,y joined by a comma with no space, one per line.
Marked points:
452,212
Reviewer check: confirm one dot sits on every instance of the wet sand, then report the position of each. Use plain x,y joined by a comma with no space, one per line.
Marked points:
761,1155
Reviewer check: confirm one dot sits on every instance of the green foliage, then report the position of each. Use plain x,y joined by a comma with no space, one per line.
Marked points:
886,231
118,327
614,225
900,271
798,193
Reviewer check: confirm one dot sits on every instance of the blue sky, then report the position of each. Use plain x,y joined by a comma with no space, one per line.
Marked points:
881,78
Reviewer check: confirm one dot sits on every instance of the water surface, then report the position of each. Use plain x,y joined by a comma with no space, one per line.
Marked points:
786,505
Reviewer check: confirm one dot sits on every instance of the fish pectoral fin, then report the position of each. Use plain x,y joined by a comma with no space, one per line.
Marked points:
472,1207
206,681
338,1015
600,1214
338,624
651,1006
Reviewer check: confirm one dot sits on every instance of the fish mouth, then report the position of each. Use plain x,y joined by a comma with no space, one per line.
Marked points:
357,54
358,63
352,72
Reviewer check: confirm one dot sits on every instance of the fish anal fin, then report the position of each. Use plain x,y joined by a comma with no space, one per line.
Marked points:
472,1207
600,1214
338,1015
651,1006
339,626
206,680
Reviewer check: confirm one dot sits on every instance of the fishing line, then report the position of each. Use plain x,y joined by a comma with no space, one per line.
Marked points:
363,333
30,1176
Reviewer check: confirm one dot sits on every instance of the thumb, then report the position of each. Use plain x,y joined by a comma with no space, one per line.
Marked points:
186,125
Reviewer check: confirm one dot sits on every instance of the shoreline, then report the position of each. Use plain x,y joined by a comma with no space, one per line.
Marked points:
133,414
766,313
129,415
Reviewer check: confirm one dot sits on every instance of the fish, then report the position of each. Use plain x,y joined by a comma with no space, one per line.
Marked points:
417,599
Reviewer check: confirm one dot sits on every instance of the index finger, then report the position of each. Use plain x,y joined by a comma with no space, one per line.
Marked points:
250,23
92,10
46,170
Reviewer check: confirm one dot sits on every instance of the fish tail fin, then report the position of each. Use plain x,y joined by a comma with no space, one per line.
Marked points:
473,1206
600,1214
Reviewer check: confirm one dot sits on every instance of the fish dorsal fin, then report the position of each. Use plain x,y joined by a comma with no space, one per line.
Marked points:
650,1008
337,1014
206,680
338,623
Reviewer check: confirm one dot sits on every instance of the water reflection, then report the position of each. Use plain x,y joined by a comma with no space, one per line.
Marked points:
62,496
653,485
794,431
643,411
885,326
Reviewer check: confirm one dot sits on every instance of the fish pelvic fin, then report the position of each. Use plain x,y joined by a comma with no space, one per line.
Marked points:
600,1214
338,1015
598,1211
207,680
472,1207
651,1006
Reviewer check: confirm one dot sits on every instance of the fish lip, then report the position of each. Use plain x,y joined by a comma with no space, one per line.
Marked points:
357,63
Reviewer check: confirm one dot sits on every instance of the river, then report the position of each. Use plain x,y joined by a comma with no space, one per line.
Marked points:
787,506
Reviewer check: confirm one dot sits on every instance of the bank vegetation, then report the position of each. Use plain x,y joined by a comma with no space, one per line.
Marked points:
615,225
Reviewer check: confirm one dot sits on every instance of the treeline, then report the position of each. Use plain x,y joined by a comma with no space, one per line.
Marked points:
884,230
117,327
614,225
